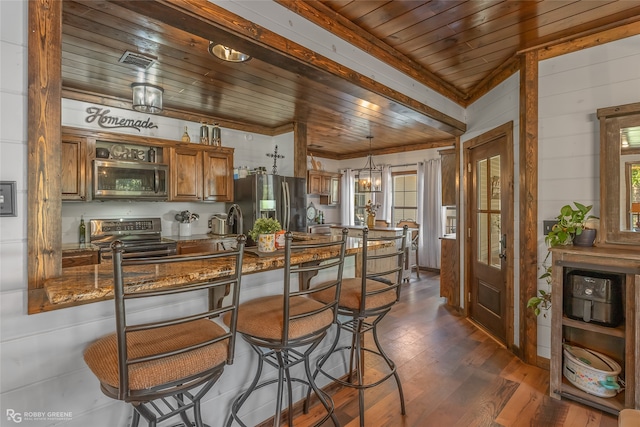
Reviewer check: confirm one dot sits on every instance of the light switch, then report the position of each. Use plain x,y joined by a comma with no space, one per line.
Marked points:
8,198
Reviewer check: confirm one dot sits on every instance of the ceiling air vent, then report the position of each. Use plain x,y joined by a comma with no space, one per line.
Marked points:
137,59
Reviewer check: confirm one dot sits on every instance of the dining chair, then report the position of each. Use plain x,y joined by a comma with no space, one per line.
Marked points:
364,302
412,258
285,329
381,223
163,362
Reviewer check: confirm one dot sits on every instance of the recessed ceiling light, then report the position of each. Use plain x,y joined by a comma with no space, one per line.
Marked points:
227,53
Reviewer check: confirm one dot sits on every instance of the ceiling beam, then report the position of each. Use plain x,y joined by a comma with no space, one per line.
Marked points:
209,20
340,26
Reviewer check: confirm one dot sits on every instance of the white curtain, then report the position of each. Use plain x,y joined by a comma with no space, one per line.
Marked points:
387,196
430,213
347,195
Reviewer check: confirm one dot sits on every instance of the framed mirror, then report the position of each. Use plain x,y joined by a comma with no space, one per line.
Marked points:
620,174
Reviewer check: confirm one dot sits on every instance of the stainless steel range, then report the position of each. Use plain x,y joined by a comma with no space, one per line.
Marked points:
142,237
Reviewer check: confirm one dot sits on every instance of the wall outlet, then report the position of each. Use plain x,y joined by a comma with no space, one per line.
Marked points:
547,225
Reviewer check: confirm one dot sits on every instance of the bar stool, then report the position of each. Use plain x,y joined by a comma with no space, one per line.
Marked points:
157,363
364,301
284,329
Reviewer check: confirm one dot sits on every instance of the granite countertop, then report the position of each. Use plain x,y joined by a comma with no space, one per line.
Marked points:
95,282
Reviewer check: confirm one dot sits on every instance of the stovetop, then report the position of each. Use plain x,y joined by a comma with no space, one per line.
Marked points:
139,230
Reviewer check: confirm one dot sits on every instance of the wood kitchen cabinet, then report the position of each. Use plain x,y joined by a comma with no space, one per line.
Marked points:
73,167
217,175
316,183
333,198
201,173
203,246
619,343
448,167
324,184
449,271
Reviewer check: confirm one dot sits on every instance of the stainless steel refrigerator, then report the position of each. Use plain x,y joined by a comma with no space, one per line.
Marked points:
272,196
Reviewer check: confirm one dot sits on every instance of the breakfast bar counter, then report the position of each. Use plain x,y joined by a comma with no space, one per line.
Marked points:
84,284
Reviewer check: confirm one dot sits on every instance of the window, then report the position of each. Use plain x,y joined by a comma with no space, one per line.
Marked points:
359,208
405,196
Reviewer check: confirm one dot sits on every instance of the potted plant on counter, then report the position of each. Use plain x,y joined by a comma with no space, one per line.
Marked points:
264,233
571,228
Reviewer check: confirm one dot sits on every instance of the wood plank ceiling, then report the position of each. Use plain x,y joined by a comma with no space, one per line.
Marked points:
454,47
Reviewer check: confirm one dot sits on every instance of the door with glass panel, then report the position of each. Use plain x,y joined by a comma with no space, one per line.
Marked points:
487,237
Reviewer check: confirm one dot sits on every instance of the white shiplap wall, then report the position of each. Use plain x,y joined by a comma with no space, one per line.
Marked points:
41,368
572,87
496,108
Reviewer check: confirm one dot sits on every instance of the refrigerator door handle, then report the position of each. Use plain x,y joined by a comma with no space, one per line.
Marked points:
287,205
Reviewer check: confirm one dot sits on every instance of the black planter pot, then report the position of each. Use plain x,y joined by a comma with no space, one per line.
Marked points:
586,238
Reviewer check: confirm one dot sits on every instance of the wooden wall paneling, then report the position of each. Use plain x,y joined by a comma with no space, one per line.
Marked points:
44,206
449,169
528,203
300,150
323,16
249,31
459,232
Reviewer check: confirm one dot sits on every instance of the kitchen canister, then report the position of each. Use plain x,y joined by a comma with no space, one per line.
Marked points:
185,229
216,138
204,134
591,371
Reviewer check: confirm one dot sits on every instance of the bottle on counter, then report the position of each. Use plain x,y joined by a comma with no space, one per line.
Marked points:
152,155
82,232
185,135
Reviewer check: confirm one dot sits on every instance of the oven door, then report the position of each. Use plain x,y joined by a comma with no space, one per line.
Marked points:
119,179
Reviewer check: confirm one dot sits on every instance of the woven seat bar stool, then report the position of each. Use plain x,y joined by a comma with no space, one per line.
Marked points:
364,301
285,329
164,365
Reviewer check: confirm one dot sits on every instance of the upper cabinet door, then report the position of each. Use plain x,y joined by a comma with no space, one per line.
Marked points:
73,168
218,174
186,174
448,170
314,182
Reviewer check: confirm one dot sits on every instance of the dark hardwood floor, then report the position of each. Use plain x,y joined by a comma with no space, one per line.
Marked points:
453,374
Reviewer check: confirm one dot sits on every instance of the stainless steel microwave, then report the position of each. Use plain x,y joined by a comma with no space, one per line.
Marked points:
131,180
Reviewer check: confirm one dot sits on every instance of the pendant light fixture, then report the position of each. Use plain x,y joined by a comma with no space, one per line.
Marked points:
147,98
370,176
227,53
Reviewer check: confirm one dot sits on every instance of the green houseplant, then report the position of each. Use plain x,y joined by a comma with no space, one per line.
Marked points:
572,222
263,233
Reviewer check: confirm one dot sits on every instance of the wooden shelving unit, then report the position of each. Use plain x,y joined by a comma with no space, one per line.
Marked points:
619,343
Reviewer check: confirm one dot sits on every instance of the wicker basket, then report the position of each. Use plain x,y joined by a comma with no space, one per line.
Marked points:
591,371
